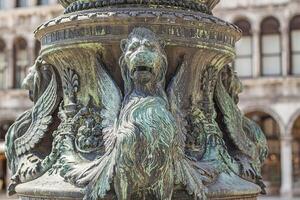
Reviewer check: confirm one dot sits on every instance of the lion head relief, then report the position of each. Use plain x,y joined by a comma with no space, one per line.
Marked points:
143,62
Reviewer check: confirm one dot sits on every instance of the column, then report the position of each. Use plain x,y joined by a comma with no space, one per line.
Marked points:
32,3
285,38
286,189
10,62
31,49
256,51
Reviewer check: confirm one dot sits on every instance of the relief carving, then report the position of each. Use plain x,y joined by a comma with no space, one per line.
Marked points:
144,142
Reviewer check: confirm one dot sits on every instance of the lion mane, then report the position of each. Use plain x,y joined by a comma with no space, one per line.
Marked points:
147,125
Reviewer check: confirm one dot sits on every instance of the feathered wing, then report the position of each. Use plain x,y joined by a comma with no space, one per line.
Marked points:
233,120
111,97
188,172
14,131
247,136
97,175
41,119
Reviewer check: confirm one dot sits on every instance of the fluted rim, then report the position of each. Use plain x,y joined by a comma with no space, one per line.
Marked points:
204,6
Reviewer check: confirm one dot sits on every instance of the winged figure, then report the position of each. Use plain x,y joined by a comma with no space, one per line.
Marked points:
143,131
250,147
32,126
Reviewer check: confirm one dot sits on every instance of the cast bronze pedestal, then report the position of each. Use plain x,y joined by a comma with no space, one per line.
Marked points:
135,100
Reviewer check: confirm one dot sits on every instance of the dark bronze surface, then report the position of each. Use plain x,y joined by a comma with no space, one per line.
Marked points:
138,101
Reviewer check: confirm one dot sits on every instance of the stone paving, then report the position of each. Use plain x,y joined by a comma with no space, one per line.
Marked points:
4,197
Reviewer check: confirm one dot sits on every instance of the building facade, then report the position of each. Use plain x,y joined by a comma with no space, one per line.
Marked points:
268,62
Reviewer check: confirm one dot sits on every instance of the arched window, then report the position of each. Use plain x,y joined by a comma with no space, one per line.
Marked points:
21,3
296,153
3,65
243,62
271,170
42,2
295,45
21,61
271,47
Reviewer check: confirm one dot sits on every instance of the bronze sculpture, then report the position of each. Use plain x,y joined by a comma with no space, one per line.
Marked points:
170,130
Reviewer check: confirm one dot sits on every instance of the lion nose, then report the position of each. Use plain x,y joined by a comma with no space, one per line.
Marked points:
143,56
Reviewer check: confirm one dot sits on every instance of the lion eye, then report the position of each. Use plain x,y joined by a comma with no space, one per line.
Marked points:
148,44
134,46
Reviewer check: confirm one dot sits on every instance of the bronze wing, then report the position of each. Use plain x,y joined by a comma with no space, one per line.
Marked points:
41,119
187,171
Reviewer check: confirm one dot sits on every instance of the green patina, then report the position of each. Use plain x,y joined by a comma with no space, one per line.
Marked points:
172,131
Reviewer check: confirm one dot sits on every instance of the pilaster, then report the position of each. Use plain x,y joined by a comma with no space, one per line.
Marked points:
286,189
285,48
32,3
256,52
10,62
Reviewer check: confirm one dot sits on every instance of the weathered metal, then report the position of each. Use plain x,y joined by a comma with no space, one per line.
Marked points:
135,100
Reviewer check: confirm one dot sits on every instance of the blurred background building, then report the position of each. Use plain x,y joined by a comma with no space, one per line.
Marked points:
268,62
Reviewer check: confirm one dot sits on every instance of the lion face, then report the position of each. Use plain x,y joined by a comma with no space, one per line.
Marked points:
144,57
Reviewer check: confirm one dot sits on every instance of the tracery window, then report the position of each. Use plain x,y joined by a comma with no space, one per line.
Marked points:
271,47
243,62
21,61
295,45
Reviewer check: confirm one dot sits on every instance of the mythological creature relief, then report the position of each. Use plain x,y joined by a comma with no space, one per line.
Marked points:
143,144
143,135
28,159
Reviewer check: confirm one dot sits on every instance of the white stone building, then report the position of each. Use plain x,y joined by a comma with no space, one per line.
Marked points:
268,61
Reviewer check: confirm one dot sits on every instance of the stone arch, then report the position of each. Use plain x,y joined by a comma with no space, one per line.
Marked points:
294,130
245,25
292,121
271,112
271,171
241,17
